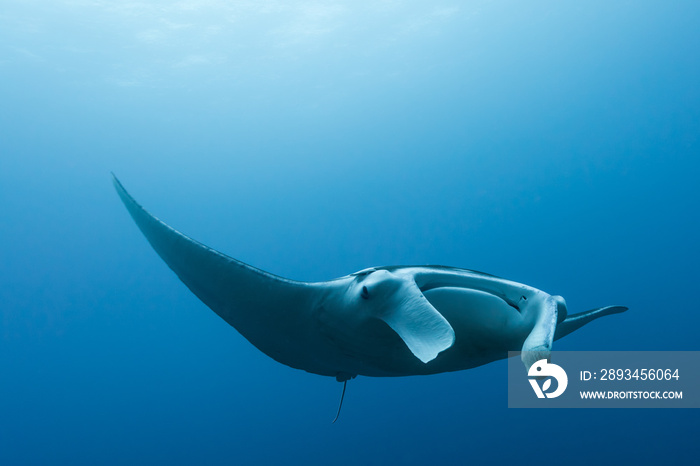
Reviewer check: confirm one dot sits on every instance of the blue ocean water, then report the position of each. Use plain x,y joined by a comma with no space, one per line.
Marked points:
551,143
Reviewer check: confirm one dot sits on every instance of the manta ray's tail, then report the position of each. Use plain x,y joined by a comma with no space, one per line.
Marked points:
576,321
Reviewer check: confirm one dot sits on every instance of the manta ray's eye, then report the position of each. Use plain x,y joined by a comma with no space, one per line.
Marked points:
364,293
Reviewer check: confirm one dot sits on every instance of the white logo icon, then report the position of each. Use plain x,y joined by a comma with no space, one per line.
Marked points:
544,369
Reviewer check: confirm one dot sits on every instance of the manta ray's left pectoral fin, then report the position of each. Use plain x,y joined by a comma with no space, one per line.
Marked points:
422,328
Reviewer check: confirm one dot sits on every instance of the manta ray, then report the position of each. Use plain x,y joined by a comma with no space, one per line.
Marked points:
379,322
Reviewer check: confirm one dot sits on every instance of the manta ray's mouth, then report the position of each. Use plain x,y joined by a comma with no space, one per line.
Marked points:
437,285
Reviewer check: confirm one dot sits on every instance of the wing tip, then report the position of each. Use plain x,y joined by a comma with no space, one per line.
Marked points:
608,310
115,181
119,187
132,206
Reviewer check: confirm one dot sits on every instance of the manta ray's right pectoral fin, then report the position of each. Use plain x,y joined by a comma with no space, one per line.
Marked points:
421,327
576,321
